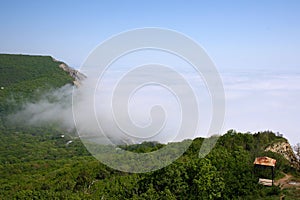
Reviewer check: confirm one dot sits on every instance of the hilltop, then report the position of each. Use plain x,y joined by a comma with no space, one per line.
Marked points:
26,73
40,162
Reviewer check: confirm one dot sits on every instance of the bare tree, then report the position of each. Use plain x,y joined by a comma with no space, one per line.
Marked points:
297,151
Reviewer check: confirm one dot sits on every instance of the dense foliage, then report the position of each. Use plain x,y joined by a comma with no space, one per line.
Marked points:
24,77
41,163
43,166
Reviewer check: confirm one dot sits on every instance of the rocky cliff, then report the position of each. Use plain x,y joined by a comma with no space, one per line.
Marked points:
78,77
285,149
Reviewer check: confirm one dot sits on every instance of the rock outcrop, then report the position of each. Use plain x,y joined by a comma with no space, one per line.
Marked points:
284,148
78,77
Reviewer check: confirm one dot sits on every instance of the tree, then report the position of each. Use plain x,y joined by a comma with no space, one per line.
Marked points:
206,181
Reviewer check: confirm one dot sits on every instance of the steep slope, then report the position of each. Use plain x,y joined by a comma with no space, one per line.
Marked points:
76,75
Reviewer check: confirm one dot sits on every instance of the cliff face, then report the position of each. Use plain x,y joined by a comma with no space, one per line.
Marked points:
285,149
78,77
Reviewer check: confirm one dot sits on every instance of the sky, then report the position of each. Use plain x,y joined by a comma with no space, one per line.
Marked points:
254,45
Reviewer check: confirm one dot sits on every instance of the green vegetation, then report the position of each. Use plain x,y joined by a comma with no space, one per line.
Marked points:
50,169
38,162
25,77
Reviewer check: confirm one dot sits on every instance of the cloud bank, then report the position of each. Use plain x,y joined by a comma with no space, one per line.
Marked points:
255,101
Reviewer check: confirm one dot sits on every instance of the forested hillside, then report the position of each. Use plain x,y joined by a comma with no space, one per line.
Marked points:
24,77
40,162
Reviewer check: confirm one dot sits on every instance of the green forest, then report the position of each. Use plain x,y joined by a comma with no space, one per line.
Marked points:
38,162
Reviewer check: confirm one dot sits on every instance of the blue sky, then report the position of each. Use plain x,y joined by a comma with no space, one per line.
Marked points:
254,44
236,34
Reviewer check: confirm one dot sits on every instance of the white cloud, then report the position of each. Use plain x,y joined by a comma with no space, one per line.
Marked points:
263,101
